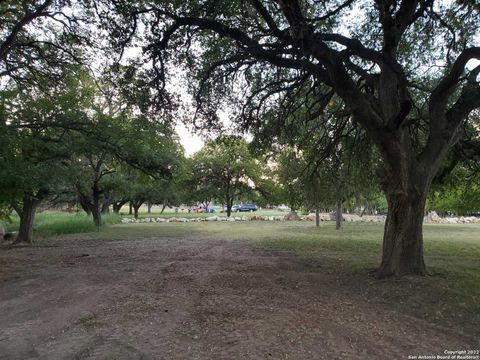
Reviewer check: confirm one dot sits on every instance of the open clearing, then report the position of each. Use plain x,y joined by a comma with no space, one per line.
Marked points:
235,291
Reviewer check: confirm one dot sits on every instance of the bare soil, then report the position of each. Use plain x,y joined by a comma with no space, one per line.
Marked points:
197,298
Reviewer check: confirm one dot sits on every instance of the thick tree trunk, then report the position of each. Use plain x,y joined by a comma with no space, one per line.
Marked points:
27,219
105,207
136,207
317,217
149,208
96,206
117,206
338,215
403,237
406,184
229,206
84,205
96,215
130,208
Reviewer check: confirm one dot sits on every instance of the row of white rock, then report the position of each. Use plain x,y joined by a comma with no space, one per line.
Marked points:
182,220
433,217
310,217
430,218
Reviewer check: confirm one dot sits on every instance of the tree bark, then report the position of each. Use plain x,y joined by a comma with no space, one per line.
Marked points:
136,206
164,205
96,215
406,182
403,236
149,208
338,215
84,204
317,217
130,208
229,206
117,206
95,207
106,206
27,219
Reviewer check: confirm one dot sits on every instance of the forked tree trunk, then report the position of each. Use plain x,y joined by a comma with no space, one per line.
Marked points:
136,206
117,206
338,215
27,219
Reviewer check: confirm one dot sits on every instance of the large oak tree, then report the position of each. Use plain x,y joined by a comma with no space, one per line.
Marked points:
398,65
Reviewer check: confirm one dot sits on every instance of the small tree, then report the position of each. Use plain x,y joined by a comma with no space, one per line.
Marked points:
224,169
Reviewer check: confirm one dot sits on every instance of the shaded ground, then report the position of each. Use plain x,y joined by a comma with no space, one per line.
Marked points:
198,297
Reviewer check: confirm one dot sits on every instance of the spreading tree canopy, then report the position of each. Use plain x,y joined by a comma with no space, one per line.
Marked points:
399,66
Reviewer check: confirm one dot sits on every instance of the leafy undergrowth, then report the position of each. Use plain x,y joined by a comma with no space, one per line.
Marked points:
51,223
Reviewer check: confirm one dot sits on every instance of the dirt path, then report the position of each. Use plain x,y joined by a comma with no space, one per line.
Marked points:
193,299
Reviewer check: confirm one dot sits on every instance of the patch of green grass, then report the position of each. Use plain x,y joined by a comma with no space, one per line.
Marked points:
51,223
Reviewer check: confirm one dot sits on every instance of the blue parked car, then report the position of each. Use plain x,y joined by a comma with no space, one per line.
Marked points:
244,208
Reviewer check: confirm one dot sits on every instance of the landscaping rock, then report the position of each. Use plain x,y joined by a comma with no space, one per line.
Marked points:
322,216
292,216
352,217
180,220
452,220
432,217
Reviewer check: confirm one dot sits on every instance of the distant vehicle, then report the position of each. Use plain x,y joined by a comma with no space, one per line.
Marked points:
244,208
472,213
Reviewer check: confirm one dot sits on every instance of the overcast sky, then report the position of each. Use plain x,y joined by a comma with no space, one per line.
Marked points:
189,141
